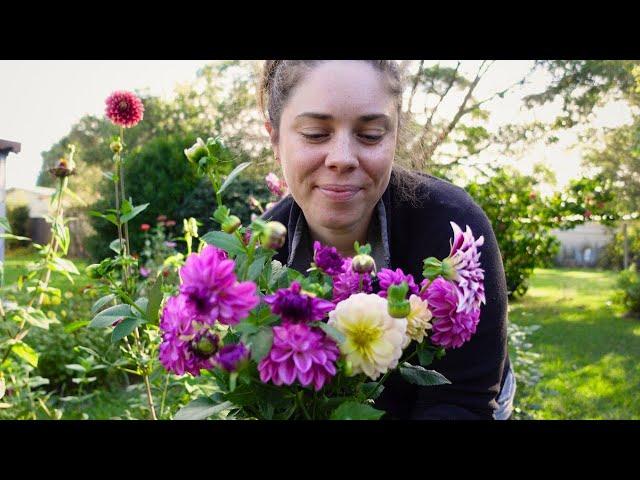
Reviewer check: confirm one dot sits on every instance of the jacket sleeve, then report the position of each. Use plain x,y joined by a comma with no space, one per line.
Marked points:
476,368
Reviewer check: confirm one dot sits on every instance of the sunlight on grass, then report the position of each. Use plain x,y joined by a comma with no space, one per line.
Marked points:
589,350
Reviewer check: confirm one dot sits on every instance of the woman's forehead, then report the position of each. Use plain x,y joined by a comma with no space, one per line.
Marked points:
342,88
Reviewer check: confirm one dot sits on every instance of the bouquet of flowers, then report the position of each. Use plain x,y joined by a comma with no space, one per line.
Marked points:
282,345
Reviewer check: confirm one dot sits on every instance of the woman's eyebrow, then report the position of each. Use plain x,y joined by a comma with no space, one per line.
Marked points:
363,118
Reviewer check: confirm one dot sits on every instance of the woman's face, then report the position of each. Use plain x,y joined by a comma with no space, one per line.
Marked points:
336,143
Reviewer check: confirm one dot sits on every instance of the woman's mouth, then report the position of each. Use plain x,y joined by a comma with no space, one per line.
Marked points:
339,193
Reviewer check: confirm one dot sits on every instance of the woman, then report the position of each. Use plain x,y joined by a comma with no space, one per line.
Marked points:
333,126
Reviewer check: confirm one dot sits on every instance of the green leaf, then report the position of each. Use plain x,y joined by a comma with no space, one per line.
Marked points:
126,207
101,302
3,387
115,245
229,243
4,223
246,328
261,315
9,236
332,332
143,304
221,213
256,268
75,367
231,177
109,217
260,343
26,353
133,213
421,376
351,410
72,327
425,354
64,265
124,328
200,409
37,318
155,299
278,274
109,316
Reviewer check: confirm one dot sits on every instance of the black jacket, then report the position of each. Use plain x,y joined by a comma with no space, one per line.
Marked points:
477,368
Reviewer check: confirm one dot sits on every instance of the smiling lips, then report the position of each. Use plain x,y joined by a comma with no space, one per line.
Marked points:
339,193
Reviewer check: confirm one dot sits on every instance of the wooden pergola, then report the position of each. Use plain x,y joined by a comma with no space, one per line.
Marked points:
6,147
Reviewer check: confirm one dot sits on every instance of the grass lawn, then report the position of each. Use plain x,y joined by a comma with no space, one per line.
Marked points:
589,350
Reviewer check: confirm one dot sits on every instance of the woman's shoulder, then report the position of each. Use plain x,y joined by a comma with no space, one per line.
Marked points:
429,194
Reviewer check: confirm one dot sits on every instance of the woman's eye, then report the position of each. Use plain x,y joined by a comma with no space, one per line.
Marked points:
315,136
370,138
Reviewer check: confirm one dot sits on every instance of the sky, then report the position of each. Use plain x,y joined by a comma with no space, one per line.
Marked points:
41,100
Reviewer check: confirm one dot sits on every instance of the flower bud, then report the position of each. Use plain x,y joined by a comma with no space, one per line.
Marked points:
399,309
116,146
274,235
63,169
205,344
196,151
231,224
448,270
397,304
348,368
363,264
233,357
92,271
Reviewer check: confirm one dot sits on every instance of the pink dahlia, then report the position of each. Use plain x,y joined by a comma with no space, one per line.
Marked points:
294,306
185,347
469,277
124,109
302,352
451,328
275,185
388,277
349,282
212,290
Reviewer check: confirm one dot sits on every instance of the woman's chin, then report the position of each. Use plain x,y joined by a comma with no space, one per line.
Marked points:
338,220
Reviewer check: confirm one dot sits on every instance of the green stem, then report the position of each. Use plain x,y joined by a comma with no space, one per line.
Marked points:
120,237
122,192
164,394
145,376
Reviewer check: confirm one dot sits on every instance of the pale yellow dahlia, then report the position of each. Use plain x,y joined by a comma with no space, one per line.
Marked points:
373,339
418,320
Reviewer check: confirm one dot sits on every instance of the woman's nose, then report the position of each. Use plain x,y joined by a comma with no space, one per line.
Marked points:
342,155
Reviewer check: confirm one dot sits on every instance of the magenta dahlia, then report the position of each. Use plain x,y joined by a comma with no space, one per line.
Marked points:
186,345
388,277
451,328
299,352
294,306
349,282
469,277
212,290
124,109
327,259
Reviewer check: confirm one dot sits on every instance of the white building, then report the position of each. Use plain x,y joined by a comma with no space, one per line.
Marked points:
6,147
583,245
